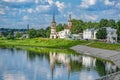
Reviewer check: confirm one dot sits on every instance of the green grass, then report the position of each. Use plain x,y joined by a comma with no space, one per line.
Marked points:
104,45
42,42
58,43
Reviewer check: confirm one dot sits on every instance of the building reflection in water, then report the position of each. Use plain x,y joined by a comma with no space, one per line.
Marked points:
86,61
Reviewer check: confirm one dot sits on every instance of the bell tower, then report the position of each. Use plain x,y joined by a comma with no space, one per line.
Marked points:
69,22
53,34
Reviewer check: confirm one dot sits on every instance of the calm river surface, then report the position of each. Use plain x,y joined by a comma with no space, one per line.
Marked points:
26,65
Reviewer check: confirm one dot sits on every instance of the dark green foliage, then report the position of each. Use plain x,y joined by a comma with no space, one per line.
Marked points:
101,33
18,35
59,27
111,23
118,29
77,26
103,22
32,33
100,67
41,33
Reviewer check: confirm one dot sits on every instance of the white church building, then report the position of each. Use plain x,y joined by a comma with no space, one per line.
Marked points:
61,34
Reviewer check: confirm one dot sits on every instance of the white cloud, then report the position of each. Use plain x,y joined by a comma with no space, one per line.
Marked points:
107,2
91,17
25,18
30,10
118,5
41,8
50,2
2,11
60,5
87,3
14,0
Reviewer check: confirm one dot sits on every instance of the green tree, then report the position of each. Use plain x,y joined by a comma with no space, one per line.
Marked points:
10,35
18,35
32,33
103,22
118,29
101,33
59,27
41,33
47,32
77,26
111,23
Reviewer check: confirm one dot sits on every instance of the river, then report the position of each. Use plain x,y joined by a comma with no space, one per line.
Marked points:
18,64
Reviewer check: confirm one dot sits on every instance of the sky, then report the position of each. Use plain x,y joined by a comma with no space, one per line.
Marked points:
38,13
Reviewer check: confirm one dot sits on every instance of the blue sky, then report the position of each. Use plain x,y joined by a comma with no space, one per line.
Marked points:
38,13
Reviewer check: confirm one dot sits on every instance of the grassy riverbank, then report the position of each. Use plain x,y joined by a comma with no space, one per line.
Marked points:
42,42
104,45
58,43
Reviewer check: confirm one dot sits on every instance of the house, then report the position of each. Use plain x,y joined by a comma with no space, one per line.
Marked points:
111,35
89,33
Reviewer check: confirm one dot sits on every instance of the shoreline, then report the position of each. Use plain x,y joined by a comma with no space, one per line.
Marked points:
111,55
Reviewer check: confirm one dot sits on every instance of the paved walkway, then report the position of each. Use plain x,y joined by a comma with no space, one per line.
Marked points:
111,55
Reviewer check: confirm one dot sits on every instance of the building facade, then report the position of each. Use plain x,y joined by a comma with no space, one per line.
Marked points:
61,34
89,33
111,35
53,34
66,32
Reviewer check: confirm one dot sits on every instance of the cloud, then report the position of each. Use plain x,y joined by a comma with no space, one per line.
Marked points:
25,18
90,17
87,3
2,11
60,5
107,2
14,0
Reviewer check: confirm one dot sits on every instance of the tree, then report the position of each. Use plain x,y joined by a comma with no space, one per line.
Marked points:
77,26
32,33
47,32
111,23
41,33
10,36
101,33
118,29
18,35
59,27
103,22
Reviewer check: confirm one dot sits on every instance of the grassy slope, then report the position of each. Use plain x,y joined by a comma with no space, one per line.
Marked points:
58,43
103,45
42,42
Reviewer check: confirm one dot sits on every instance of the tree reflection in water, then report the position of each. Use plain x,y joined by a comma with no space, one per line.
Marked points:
66,65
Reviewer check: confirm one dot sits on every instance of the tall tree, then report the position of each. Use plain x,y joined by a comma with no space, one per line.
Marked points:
118,29
32,33
111,23
101,33
103,22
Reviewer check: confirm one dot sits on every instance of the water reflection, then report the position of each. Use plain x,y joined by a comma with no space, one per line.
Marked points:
28,65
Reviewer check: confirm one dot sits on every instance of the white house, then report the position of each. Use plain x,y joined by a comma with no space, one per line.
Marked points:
89,33
111,35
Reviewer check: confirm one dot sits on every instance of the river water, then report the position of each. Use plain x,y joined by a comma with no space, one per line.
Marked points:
17,64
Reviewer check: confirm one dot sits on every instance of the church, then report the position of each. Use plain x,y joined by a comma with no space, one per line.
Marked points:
62,34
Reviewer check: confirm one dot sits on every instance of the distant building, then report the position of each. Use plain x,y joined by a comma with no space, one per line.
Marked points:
66,32
53,34
89,33
111,35
61,34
